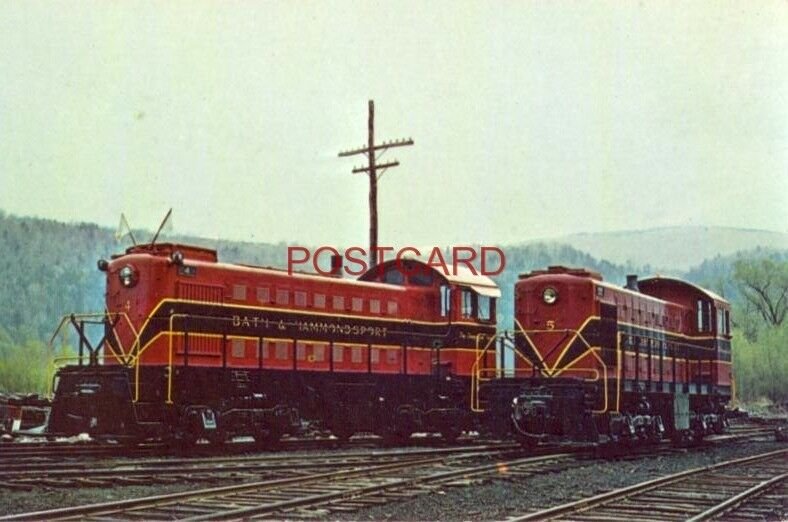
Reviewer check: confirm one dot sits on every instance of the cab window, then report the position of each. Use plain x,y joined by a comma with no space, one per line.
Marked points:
466,304
394,276
445,301
486,307
704,316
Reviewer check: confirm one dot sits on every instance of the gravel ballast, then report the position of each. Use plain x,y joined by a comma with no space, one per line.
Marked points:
494,498
500,498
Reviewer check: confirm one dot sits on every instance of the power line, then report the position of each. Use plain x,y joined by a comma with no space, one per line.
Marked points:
373,152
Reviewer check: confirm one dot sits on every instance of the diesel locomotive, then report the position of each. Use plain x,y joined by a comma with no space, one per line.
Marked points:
597,362
193,348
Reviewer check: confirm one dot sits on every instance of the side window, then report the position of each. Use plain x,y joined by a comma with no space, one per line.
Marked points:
485,308
239,292
300,298
238,348
467,303
355,355
445,301
319,300
357,304
282,296
720,323
374,306
338,302
704,316
281,350
263,294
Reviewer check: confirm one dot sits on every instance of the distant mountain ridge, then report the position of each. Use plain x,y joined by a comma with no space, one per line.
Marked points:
670,248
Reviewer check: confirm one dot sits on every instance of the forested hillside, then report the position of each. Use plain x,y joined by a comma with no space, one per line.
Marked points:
48,269
666,247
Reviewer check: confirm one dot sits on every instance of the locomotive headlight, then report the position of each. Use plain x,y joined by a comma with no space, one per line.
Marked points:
127,276
549,296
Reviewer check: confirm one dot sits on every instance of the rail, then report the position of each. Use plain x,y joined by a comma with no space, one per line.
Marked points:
585,505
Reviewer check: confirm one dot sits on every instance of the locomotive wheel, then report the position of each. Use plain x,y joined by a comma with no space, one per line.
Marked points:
450,435
395,437
184,442
217,438
681,438
341,426
528,444
342,432
395,434
267,439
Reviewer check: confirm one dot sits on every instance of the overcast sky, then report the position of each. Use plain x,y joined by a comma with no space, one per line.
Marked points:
531,119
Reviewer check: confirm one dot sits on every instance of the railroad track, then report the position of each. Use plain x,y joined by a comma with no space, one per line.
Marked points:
736,488
315,494
284,485
15,451
12,452
82,449
28,476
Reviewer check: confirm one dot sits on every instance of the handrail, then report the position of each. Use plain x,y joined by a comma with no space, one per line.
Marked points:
124,356
169,356
478,374
475,371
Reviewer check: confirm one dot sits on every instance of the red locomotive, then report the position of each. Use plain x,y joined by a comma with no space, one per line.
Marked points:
194,348
599,362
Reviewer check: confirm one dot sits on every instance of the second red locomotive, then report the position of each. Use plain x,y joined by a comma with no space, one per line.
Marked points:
596,361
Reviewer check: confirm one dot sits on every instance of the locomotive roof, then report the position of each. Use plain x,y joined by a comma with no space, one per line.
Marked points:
195,255
457,274
559,269
597,278
681,282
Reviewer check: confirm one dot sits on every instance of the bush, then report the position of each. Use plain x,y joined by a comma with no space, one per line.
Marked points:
761,366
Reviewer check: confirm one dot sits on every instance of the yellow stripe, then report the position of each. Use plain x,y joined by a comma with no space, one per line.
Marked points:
290,340
568,344
289,311
314,313
670,332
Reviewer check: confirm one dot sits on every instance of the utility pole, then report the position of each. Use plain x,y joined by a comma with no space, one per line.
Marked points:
373,152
